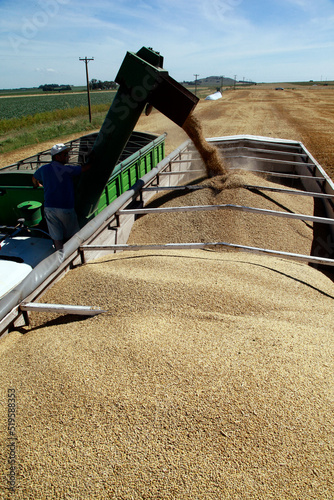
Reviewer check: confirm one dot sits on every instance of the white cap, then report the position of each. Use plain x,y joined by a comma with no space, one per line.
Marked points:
59,148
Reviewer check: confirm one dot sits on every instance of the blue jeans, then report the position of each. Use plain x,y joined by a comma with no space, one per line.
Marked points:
62,222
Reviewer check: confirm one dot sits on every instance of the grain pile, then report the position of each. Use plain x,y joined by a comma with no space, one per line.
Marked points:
211,377
228,225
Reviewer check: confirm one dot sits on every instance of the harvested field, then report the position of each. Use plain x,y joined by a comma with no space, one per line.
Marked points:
211,374
305,115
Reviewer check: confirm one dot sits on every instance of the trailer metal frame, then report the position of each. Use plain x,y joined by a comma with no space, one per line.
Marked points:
109,230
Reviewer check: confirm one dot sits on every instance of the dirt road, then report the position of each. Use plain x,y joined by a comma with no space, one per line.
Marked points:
305,115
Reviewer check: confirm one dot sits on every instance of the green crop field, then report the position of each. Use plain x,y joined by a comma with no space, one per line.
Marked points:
17,107
33,119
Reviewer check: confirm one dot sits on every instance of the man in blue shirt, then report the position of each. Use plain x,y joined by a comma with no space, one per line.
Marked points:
57,179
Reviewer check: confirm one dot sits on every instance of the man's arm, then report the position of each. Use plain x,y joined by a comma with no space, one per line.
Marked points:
36,183
86,167
89,162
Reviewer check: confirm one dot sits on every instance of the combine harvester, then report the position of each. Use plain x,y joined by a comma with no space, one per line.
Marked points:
128,169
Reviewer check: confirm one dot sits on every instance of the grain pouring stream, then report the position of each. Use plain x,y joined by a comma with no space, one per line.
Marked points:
213,162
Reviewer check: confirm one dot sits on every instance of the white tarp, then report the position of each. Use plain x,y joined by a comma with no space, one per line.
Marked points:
11,274
214,97
30,250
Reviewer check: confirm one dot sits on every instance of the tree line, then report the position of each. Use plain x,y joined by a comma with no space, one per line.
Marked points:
93,85
106,85
51,87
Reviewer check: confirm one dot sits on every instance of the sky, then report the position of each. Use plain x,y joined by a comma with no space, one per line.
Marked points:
260,40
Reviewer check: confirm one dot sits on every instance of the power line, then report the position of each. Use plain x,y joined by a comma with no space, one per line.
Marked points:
222,83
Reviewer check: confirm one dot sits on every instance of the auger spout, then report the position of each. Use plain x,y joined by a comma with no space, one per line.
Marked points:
142,81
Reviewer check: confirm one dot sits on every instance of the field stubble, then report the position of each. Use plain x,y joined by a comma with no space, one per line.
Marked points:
305,115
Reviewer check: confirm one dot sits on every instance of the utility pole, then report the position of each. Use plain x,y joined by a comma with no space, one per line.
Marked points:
196,84
222,84
88,94
235,80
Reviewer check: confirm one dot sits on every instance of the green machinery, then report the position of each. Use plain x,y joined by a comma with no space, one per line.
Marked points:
142,81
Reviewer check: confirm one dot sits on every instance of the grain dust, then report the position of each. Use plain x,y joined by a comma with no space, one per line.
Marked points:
210,155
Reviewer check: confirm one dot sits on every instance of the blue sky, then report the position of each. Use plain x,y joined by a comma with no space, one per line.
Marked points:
261,40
